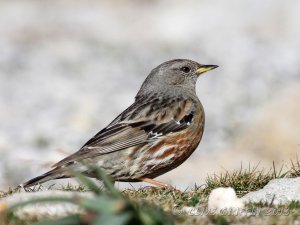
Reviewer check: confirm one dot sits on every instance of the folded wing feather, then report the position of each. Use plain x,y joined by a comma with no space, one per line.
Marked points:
121,135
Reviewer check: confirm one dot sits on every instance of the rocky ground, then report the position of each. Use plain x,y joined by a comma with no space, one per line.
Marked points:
239,197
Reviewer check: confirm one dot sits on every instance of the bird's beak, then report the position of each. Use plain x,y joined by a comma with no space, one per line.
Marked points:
205,68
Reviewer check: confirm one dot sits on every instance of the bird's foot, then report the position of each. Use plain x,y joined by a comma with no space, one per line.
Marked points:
157,183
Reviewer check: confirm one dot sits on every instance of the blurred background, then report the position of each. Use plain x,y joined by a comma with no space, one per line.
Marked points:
67,68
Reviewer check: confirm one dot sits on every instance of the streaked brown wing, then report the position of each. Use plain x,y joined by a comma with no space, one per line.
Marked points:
117,139
140,124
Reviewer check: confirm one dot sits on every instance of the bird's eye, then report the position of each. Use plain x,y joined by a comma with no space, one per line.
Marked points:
185,69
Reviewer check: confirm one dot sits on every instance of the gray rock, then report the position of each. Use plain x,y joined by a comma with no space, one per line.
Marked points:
277,191
43,210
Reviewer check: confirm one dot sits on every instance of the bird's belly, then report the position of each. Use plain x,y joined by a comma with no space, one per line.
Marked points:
115,164
165,155
153,159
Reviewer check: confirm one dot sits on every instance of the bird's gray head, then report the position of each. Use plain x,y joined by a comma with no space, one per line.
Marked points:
174,76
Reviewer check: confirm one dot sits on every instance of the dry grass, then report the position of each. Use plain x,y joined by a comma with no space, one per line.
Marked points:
245,180
167,204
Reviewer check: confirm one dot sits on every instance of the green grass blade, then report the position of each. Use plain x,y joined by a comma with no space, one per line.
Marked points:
69,220
87,182
104,205
121,219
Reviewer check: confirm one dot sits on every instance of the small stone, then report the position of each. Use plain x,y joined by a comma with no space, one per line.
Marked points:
277,192
224,199
42,210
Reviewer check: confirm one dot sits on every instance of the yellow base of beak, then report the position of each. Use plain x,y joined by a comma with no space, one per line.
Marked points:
205,68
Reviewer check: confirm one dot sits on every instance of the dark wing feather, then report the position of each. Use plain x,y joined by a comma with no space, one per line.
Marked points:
117,139
125,131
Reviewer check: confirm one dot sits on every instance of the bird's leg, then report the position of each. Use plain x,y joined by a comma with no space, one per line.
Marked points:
155,182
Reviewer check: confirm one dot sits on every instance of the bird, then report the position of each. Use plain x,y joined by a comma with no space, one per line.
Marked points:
153,136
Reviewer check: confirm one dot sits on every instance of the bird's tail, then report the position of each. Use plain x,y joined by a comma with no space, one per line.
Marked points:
56,173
